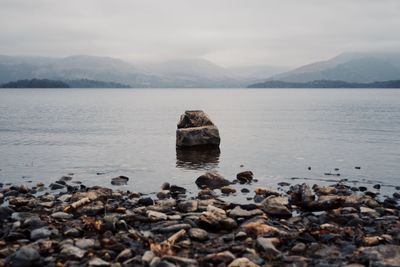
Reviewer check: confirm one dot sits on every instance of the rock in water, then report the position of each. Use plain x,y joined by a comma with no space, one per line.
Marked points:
196,129
211,180
120,180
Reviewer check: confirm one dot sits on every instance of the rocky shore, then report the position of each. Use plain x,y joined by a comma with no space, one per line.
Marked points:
299,225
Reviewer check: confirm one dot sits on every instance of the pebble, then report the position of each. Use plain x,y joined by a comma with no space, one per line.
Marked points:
198,234
40,233
25,256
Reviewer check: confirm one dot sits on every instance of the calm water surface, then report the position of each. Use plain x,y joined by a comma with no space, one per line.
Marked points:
277,134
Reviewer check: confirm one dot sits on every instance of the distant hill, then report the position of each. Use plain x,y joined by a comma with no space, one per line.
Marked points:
326,84
45,83
348,67
36,83
84,83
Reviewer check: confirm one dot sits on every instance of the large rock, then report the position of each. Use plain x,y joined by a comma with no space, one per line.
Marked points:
196,129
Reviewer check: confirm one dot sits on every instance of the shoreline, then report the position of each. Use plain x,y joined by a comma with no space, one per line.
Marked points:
298,225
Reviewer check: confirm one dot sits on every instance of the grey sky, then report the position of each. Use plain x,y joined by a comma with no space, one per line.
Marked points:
227,32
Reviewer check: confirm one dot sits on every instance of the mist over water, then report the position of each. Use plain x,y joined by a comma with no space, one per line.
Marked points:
276,133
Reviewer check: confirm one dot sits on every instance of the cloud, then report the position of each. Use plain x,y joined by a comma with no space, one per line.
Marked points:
229,32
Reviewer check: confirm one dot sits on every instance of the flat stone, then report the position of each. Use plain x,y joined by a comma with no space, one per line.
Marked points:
147,257
198,234
239,212
84,243
120,180
40,233
62,215
276,206
156,216
188,206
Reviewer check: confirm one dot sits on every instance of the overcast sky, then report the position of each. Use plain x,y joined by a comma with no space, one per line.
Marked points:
227,32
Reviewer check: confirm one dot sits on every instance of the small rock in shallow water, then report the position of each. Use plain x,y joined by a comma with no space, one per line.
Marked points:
120,180
56,186
245,177
245,190
227,190
211,180
377,186
165,186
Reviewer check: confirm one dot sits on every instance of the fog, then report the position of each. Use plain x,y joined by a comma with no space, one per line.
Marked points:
227,32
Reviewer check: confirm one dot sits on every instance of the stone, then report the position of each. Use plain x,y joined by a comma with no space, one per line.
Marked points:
25,256
276,206
211,180
120,180
199,136
245,177
85,243
196,129
61,215
227,190
156,216
245,190
215,219
147,257
218,259
299,248
5,212
146,201
40,233
239,212
33,223
198,234
124,255
242,262
72,252
265,192
267,247
165,186
181,261
97,262
382,255
56,186
188,206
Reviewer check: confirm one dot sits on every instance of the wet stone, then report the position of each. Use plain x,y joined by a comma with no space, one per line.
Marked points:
56,186
198,234
245,177
227,190
25,256
120,180
146,201
40,233
211,180
97,262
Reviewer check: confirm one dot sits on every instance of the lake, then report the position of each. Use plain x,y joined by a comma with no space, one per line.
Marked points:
98,134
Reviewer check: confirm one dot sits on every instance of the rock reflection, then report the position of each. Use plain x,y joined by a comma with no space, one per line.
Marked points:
197,158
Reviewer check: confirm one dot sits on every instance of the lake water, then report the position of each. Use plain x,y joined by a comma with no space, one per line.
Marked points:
276,133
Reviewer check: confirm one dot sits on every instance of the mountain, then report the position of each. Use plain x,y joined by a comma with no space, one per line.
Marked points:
257,73
46,83
194,73
175,73
35,83
349,67
326,84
